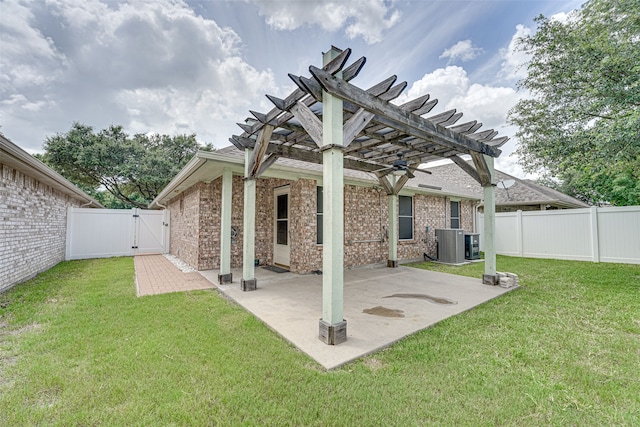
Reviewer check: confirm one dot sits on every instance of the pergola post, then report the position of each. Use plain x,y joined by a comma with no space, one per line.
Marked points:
248,281
225,275
393,228
333,328
489,191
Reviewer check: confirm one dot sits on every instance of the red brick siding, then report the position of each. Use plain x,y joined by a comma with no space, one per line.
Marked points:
365,220
196,231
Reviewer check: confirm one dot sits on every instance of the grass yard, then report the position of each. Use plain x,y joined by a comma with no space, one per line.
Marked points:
78,348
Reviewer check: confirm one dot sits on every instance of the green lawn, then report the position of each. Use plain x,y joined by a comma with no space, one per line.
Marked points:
78,348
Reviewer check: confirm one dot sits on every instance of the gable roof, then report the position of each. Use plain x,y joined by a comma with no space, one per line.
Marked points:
522,192
18,159
446,180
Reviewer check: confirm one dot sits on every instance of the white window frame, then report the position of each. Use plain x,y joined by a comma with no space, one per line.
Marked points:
412,216
451,217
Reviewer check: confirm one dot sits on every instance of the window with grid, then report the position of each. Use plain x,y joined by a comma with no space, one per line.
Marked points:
455,214
405,217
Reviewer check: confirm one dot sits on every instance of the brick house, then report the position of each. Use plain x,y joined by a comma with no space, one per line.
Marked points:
33,212
512,193
289,197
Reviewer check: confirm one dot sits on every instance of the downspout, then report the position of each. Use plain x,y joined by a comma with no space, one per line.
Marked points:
475,216
87,204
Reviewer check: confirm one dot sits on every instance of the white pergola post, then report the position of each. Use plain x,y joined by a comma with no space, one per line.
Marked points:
248,281
225,276
333,328
489,225
393,228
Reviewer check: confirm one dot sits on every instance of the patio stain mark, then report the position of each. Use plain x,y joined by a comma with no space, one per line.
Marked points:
384,311
436,300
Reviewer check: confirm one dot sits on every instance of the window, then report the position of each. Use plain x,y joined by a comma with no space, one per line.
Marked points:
405,217
455,214
319,217
282,219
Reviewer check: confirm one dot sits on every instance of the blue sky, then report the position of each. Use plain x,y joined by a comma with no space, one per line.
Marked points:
171,66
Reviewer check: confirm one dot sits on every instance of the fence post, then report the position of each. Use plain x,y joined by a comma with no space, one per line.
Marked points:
67,249
520,243
595,244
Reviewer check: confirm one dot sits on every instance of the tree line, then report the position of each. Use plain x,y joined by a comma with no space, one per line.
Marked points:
118,170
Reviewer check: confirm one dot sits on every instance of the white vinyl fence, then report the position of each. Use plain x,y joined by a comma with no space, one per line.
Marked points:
610,234
102,233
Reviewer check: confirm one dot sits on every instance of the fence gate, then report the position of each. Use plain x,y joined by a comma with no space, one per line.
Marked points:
102,233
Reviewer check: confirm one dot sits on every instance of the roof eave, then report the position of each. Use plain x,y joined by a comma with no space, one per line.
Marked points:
43,172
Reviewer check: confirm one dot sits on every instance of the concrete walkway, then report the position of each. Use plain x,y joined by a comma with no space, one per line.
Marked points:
155,274
381,306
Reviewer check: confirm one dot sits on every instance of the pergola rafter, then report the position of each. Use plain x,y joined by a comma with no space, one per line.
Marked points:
328,120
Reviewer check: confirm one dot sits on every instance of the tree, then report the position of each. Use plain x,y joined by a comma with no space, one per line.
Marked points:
581,123
118,170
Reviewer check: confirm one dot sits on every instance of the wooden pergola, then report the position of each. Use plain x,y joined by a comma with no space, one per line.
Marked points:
329,121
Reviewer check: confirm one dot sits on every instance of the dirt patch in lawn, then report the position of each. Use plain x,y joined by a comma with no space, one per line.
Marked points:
24,329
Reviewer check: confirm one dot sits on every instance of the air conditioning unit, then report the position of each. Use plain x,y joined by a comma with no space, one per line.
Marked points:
450,245
472,246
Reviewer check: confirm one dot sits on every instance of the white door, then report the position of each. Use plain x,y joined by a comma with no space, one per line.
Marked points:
281,251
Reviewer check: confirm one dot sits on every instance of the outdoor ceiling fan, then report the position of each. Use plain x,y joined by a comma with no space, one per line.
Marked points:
401,167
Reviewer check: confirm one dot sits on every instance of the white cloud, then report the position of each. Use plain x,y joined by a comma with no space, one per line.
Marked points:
453,89
464,51
443,84
150,66
513,60
561,17
485,103
509,164
365,18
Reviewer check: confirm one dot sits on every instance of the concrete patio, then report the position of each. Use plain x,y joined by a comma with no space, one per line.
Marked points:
381,305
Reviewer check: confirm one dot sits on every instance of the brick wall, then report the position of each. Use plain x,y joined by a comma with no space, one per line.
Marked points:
184,211
33,226
365,221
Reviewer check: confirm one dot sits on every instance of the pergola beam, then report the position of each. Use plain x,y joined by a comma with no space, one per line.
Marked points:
466,167
409,123
262,143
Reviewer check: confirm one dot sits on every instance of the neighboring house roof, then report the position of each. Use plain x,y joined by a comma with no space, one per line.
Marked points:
522,192
18,159
447,180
